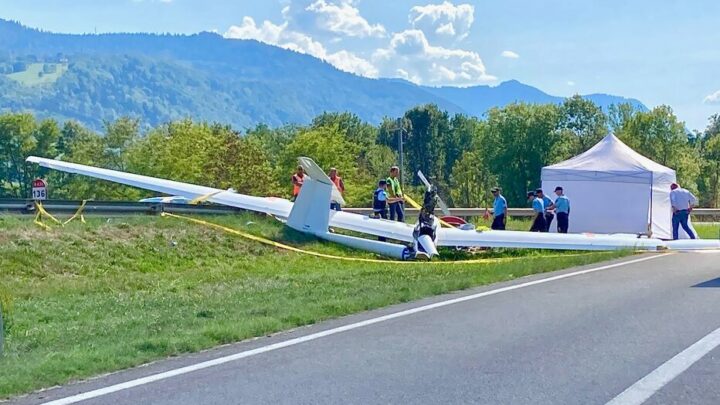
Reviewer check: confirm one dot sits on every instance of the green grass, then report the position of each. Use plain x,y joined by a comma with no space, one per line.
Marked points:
32,77
708,231
117,293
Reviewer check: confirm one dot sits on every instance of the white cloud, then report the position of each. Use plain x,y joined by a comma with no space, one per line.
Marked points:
410,56
570,83
713,98
350,62
443,21
344,18
509,55
280,35
310,26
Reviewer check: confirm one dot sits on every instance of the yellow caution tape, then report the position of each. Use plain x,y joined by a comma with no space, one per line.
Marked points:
201,199
42,212
77,213
279,245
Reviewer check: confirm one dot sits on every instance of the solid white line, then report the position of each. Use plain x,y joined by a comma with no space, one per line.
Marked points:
661,376
295,341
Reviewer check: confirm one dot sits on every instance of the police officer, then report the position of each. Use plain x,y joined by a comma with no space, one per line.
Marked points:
539,210
499,210
548,204
562,210
380,200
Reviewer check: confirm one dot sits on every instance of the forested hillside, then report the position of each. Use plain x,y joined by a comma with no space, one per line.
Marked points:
160,78
465,156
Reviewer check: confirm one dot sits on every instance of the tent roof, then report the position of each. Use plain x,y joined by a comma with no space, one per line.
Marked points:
613,156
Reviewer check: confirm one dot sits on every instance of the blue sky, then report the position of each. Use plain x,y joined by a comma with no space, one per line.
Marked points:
661,52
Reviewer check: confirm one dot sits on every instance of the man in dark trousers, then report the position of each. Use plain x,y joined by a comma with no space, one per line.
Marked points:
682,202
539,210
499,210
397,201
548,205
562,210
380,200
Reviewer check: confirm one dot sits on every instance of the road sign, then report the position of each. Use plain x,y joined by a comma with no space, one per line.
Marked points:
39,189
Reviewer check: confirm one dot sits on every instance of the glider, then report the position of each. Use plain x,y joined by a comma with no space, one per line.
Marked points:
310,213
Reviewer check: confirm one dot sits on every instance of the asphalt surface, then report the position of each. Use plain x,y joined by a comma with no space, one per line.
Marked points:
578,340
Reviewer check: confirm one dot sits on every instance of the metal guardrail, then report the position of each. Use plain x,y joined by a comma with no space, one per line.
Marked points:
111,208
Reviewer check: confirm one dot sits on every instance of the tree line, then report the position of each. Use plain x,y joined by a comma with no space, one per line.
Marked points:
465,156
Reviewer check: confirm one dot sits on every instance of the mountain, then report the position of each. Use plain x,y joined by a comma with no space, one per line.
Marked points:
478,99
92,78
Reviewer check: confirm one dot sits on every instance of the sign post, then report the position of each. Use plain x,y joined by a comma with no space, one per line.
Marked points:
39,190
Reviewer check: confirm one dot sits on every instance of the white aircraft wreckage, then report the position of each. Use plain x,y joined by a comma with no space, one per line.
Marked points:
310,214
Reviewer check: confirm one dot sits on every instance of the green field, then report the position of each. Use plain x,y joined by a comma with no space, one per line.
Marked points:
116,293
32,76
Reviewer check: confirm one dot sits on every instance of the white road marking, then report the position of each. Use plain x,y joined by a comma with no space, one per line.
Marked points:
302,339
661,376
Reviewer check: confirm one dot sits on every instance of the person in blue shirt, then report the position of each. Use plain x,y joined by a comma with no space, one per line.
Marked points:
539,209
548,204
499,210
562,210
380,200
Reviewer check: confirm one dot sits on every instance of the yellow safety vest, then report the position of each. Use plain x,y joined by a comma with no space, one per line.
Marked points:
395,187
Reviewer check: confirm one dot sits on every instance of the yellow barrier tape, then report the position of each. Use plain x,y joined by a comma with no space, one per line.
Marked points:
42,212
77,213
279,245
203,198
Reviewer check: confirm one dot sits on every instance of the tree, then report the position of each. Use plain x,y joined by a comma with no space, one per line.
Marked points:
329,147
521,139
472,180
659,135
427,128
583,122
709,146
710,184
21,136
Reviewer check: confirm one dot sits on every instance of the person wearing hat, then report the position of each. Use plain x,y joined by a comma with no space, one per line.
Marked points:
548,204
682,202
499,210
539,210
562,210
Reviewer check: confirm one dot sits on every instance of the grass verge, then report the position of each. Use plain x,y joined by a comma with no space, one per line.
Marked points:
117,293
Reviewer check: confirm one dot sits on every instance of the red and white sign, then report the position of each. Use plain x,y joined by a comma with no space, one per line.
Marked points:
39,189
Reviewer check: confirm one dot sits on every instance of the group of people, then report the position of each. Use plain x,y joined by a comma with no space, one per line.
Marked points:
389,203
387,198
545,210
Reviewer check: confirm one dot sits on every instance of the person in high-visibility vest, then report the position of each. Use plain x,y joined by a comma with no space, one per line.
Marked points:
397,207
297,181
338,181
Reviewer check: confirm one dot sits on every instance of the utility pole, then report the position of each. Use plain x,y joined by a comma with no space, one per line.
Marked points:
400,131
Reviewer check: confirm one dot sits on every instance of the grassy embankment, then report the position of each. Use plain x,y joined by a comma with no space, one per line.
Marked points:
116,293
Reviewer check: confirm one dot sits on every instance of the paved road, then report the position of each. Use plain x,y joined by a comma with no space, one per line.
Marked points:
577,340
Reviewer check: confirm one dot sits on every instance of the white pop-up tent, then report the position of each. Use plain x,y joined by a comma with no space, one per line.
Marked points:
613,189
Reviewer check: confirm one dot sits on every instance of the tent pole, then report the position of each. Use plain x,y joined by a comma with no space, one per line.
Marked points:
650,222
